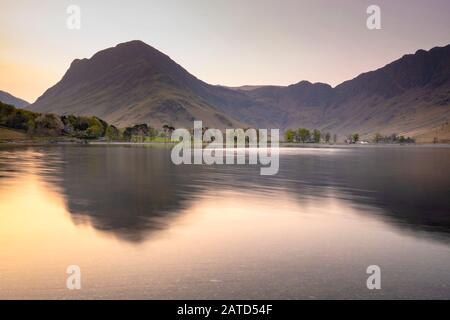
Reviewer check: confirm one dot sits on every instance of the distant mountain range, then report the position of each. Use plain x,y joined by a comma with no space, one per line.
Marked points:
135,83
7,98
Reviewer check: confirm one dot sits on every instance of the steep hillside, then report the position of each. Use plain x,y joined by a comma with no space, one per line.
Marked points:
7,98
135,83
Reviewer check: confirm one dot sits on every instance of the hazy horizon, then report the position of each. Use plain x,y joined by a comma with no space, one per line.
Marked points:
225,43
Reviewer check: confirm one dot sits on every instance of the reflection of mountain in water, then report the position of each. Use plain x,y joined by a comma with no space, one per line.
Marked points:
409,184
132,191
125,190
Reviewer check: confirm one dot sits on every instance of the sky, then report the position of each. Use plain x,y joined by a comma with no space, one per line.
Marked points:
227,42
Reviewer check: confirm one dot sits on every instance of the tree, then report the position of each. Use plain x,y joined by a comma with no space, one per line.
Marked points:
49,124
393,138
31,126
304,135
171,130
69,124
289,135
335,138
17,118
377,138
355,137
136,133
6,111
165,130
95,128
152,132
94,132
112,133
316,136
102,124
327,137
81,124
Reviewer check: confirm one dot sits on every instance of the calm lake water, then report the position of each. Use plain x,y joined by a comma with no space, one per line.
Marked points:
140,227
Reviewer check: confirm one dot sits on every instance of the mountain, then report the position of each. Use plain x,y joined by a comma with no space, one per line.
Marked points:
7,98
134,83
409,96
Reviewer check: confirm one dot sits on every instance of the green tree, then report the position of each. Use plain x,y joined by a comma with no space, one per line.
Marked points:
101,123
152,132
316,136
16,118
355,137
112,133
304,134
289,135
31,126
96,128
5,112
94,132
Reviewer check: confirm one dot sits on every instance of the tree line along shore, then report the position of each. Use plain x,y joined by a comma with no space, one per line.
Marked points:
24,125
304,135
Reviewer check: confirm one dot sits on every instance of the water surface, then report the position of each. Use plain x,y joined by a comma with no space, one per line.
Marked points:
141,227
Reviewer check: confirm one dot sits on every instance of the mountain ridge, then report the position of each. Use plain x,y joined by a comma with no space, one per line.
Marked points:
8,98
134,83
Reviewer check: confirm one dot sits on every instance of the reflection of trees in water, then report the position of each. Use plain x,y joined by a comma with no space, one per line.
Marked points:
409,185
131,191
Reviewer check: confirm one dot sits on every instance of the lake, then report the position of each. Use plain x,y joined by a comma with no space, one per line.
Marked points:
140,227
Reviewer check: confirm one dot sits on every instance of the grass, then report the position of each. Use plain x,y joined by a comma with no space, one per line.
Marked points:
12,135
157,139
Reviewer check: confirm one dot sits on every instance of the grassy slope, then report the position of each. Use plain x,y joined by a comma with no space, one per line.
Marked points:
442,133
12,135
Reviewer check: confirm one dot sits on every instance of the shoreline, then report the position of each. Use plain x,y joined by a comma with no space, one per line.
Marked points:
281,145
